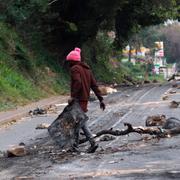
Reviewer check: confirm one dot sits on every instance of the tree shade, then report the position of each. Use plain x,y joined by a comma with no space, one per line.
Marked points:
68,23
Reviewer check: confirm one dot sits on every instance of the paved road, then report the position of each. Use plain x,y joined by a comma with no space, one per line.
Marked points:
126,157
19,112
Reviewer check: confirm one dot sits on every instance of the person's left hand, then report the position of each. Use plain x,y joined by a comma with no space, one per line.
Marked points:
102,105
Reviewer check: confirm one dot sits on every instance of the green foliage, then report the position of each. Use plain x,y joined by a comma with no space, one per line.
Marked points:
149,35
26,76
137,71
13,52
169,34
97,54
137,14
20,10
106,63
71,23
12,81
171,37
159,78
15,89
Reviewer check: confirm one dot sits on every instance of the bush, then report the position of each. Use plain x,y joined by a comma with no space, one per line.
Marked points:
23,72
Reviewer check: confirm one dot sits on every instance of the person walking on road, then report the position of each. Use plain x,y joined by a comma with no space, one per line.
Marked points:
82,80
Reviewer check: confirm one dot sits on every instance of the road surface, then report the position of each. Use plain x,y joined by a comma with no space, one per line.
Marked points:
126,157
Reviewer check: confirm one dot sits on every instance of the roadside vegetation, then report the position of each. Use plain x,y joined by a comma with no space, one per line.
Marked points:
25,75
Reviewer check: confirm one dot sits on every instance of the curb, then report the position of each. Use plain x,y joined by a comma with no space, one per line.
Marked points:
17,114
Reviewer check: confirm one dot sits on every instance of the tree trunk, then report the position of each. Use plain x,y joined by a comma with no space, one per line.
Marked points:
159,132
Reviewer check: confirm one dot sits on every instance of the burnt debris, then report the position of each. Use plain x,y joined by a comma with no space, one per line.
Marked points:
66,127
156,120
38,111
174,104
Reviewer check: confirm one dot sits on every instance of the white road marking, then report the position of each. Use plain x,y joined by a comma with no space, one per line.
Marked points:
145,94
119,121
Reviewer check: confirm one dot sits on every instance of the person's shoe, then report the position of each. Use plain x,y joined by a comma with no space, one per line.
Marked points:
74,148
92,148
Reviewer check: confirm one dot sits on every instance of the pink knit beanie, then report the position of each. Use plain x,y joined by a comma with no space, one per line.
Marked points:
74,55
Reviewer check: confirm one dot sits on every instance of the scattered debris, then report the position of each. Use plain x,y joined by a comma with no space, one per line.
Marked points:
62,104
171,123
118,114
157,131
165,98
42,126
172,77
172,92
51,109
42,111
127,95
174,104
112,162
127,83
8,123
21,144
160,120
1,154
155,81
174,85
147,81
24,177
169,127
106,90
38,111
128,80
92,96
178,87
66,126
16,151
107,138
156,120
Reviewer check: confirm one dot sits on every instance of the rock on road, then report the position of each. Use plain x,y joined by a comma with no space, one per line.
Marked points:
126,157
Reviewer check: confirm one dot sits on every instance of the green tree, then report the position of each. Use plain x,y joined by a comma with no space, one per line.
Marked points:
169,33
64,24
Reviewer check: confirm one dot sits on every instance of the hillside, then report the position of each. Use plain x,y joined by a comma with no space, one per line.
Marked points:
26,75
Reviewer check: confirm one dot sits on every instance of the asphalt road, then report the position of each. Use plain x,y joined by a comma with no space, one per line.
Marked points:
127,157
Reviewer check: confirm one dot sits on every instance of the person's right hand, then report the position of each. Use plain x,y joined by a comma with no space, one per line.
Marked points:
102,105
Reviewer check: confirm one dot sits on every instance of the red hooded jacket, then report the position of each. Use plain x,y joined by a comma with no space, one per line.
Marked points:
82,80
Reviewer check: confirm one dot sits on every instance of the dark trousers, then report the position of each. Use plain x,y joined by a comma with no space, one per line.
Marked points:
85,127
